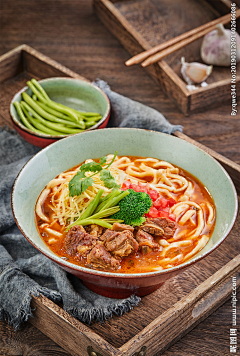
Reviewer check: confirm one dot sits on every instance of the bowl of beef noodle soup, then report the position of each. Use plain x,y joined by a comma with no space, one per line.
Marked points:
124,209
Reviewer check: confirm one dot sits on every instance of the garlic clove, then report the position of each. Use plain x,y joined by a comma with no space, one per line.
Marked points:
216,47
195,72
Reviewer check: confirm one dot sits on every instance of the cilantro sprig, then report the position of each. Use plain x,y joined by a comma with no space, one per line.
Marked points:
80,182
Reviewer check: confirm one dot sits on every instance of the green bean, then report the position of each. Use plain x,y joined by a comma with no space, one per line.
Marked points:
40,89
89,124
92,206
37,88
92,118
85,113
53,126
34,97
23,118
46,115
52,111
52,104
36,92
69,128
88,114
62,107
41,128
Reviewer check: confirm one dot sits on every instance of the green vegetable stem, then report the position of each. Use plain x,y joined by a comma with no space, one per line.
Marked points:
104,201
98,216
96,211
92,206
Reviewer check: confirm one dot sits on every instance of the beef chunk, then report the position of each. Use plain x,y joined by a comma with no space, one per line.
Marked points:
94,230
155,226
146,241
77,240
99,257
120,244
152,229
122,227
108,234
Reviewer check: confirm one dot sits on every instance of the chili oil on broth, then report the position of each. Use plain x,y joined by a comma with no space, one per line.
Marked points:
195,212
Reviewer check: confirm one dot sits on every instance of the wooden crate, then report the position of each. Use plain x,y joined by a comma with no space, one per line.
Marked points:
142,24
175,308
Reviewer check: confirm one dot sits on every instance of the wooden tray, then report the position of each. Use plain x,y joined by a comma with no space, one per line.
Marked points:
162,317
142,24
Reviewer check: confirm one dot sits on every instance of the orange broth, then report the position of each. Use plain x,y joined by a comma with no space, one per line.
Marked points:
135,263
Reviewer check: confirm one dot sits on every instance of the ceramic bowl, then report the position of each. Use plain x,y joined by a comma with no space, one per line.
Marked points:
68,152
77,94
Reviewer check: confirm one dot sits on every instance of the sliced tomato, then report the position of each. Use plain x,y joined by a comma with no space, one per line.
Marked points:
172,217
126,185
163,214
134,187
172,202
160,206
167,209
161,203
146,187
153,212
154,195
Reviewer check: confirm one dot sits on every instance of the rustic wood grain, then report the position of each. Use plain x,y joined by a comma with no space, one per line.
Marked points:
141,25
27,341
69,32
231,167
56,324
139,327
199,303
192,33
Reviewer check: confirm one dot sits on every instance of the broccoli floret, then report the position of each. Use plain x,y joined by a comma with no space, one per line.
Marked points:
133,207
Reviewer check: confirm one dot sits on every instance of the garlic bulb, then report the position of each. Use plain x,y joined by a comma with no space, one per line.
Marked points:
195,72
216,49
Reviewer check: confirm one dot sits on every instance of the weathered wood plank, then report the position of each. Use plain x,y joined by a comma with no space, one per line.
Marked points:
137,28
67,331
11,64
37,64
231,167
188,312
18,81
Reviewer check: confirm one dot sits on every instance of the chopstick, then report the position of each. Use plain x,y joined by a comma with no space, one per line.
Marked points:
158,52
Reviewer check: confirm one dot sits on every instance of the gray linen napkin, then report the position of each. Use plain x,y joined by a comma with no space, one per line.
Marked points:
25,272
129,113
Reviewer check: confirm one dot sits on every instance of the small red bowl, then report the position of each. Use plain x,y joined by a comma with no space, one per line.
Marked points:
78,94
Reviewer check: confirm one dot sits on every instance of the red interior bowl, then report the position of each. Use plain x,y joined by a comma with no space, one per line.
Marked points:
78,94
68,152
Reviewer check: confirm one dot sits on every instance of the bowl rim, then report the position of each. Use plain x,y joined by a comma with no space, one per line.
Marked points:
78,268
47,136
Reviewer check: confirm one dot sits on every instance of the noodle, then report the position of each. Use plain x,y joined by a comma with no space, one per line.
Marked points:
193,211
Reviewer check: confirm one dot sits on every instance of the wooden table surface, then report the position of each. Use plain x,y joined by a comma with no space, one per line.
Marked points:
69,32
